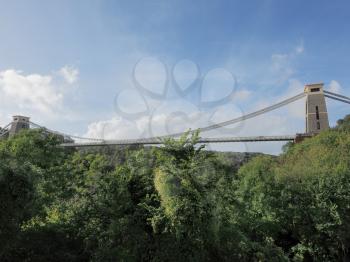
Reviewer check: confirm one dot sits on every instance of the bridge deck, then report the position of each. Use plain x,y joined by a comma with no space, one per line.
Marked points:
201,140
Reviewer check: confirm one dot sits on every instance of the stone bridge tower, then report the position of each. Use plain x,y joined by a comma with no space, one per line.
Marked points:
316,109
19,123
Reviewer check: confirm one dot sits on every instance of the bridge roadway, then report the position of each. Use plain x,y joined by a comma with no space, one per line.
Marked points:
155,141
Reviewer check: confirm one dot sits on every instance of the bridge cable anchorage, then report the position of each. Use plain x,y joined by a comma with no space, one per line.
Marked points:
337,95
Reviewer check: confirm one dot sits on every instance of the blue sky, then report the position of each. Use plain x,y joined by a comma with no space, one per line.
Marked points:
64,62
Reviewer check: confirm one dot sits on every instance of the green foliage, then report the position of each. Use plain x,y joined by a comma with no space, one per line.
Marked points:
25,171
300,200
343,124
317,190
174,203
16,200
185,182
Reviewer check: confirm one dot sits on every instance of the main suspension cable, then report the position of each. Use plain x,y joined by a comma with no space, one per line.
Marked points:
338,99
5,130
337,95
203,129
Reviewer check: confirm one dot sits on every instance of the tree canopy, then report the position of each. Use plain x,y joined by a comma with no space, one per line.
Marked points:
177,202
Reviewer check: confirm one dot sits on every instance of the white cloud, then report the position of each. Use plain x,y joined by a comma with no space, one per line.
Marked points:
29,91
185,73
241,95
116,127
300,48
178,116
297,108
151,74
174,116
44,98
165,119
282,65
170,117
69,73
270,124
334,87
217,84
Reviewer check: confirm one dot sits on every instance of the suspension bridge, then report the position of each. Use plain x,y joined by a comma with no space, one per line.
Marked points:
316,119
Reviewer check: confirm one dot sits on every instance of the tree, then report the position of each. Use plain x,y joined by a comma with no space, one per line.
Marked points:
257,195
297,202
185,182
343,124
316,174
174,203
17,197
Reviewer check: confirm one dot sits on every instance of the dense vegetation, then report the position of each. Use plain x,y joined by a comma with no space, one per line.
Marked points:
175,203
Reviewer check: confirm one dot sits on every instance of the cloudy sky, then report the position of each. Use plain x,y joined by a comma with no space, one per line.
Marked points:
129,69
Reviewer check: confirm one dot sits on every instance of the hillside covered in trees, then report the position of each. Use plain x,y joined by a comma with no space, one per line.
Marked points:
175,203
